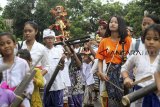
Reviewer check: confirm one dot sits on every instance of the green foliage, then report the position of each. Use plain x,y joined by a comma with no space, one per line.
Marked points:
83,14
134,17
88,12
152,6
1,9
3,26
19,11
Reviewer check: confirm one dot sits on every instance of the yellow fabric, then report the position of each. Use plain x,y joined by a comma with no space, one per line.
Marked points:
38,83
104,94
103,98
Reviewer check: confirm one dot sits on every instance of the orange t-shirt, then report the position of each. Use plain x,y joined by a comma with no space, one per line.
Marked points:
107,48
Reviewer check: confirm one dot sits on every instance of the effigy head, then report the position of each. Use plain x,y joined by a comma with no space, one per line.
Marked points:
58,11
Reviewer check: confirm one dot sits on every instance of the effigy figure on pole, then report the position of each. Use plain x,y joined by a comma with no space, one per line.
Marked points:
61,24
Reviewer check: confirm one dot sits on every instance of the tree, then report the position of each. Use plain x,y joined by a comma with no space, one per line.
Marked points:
3,26
86,13
19,11
152,6
133,16
83,14
134,12
1,9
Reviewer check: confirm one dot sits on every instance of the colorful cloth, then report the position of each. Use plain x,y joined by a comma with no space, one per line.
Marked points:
76,90
6,97
97,82
38,83
4,85
76,81
114,94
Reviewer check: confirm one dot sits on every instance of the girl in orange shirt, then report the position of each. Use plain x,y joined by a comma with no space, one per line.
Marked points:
113,50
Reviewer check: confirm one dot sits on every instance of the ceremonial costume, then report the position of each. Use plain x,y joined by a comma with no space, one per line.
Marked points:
143,69
89,83
76,90
111,51
38,83
55,97
36,52
6,97
14,75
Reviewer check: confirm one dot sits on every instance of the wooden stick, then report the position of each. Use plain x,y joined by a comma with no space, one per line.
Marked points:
142,80
128,99
22,86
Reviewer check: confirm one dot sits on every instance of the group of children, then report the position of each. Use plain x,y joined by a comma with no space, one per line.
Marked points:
75,81
70,80
142,64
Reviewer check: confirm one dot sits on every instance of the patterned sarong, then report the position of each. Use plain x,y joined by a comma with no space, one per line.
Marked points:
114,94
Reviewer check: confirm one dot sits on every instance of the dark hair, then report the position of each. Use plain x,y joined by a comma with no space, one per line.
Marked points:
35,26
24,54
154,18
154,27
8,35
122,29
1,76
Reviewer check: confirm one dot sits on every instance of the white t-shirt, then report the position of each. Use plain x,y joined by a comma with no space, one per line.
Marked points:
88,75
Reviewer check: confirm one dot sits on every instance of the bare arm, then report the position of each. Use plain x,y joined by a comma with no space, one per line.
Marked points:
100,73
66,48
157,79
128,66
90,43
78,62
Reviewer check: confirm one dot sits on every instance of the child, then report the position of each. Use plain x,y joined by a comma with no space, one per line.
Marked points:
54,97
99,85
88,77
36,49
37,80
75,98
66,78
111,50
147,20
6,96
146,65
18,67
